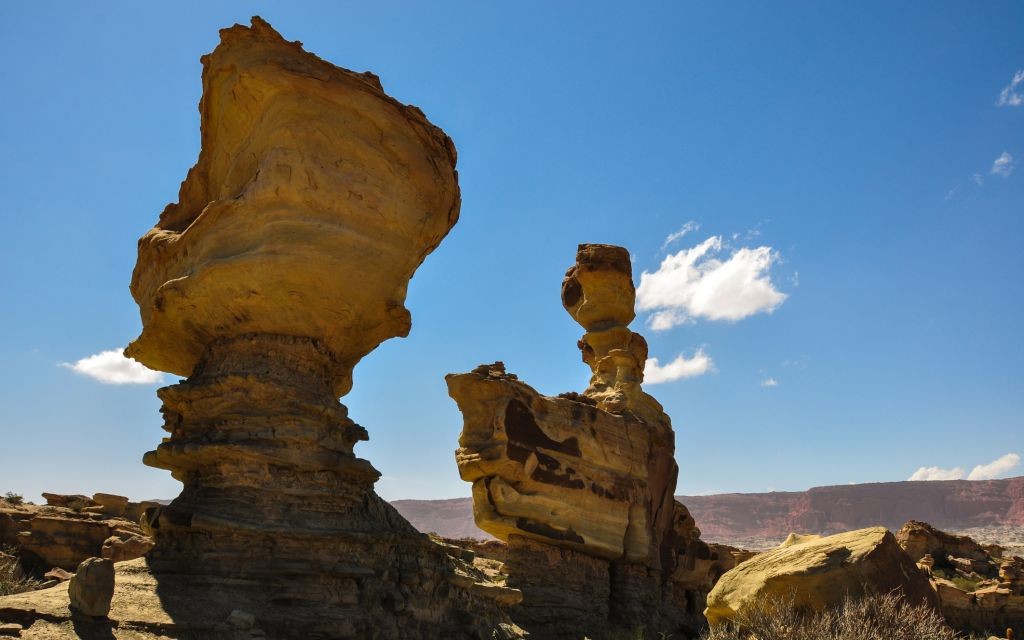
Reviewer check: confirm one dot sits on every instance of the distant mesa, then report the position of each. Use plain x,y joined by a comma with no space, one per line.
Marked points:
742,518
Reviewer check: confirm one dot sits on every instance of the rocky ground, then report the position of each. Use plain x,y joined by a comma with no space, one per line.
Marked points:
52,539
1009,537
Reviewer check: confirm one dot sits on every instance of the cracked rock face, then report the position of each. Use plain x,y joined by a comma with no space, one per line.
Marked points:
286,260
581,486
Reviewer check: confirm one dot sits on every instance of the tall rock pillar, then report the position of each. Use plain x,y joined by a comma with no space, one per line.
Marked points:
284,262
581,486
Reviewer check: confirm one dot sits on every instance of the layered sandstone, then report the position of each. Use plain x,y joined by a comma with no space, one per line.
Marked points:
286,260
70,529
818,573
580,486
979,588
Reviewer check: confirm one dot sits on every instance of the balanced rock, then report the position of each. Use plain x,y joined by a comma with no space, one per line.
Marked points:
581,486
818,573
285,261
92,587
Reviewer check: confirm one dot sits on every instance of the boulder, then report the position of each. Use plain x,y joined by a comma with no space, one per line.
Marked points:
92,587
119,548
920,538
112,505
58,574
68,501
819,572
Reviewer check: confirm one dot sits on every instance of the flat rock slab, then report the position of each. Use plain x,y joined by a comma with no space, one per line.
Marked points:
142,607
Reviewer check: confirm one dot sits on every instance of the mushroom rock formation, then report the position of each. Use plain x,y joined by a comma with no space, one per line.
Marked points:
286,260
581,486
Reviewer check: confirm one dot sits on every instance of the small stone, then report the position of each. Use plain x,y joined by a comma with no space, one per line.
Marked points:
241,619
59,574
10,629
92,587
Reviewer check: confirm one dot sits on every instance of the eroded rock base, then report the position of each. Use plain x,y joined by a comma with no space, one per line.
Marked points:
277,511
565,592
182,605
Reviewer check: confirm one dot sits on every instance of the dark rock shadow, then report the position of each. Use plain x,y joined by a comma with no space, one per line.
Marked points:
89,628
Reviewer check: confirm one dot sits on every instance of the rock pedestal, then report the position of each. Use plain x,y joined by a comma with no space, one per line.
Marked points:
286,260
581,486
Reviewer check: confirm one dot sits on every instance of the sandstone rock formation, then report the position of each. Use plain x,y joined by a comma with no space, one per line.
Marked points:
977,590
818,573
286,260
580,486
919,539
92,587
70,529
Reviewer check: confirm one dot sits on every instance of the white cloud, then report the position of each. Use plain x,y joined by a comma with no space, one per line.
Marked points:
694,283
1009,97
937,473
689,227
978,179
994,469
769,382
1003,165
111,367
681,367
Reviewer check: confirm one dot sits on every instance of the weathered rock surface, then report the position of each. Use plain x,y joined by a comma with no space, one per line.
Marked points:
819,572
978,590
580,486
65,532
315,198
92,587
919,539
286,260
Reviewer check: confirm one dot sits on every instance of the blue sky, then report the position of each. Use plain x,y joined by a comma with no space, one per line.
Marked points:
847,298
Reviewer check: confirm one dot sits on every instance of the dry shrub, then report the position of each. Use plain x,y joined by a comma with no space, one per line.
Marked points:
12,578
876,617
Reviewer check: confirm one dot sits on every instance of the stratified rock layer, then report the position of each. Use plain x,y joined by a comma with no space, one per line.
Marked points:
581,485
285,261
70,529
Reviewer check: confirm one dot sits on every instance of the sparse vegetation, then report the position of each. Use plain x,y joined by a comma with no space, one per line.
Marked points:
77,504
962,583
12,578
878,617
13,498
